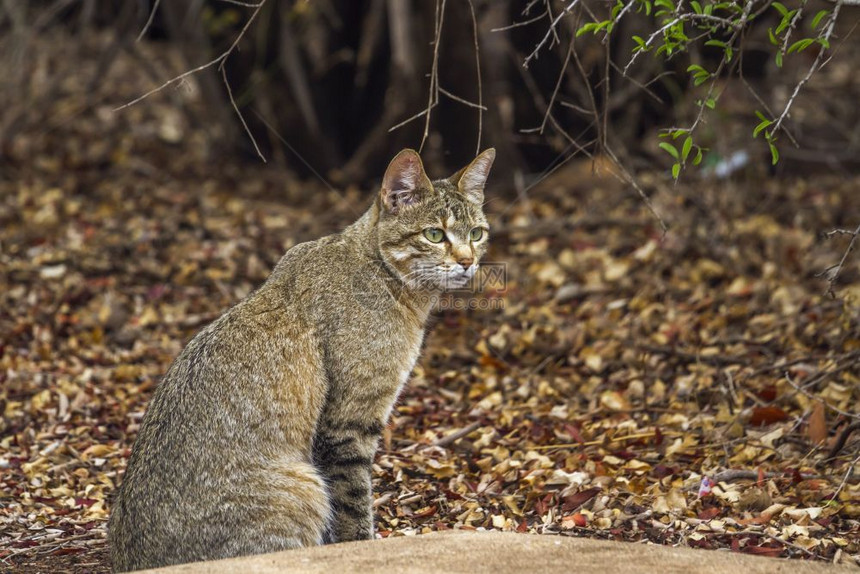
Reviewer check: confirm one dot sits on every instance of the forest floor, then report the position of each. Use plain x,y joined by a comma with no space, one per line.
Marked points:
597,390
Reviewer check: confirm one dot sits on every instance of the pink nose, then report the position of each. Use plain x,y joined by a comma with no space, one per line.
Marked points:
466,262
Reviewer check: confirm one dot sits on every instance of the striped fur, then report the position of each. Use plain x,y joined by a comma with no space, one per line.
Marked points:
262,434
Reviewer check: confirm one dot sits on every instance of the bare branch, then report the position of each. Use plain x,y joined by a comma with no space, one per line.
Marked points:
238,113
832,273
433,91
550,32
557,85
481,107
464,101
149,21
219,60
818,63
518,24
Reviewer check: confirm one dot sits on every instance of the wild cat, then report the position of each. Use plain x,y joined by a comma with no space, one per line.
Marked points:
262,434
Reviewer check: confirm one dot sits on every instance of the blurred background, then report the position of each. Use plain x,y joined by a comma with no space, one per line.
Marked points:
651,331
339,86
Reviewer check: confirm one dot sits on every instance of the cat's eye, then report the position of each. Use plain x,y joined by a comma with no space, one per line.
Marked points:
476,234
434,234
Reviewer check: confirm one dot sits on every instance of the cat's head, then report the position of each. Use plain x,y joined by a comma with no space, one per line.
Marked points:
433,234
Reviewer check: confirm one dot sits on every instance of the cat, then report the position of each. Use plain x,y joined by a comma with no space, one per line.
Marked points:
262,434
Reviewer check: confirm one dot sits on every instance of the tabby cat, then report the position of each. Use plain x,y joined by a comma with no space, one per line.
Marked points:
262,433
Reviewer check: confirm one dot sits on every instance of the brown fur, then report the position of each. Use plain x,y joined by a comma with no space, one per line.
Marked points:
262,434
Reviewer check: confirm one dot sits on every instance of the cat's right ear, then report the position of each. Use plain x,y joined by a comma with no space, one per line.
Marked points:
405,181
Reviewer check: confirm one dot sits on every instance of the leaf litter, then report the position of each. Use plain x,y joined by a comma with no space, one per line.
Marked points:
688,389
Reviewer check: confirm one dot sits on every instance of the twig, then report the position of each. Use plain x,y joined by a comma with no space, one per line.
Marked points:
218,60
832,273
811,396
550,32
298,155
792,26
433,91
558,85
792,545
478,73
245,4
149,21
457,435
238,113
632,181
464,101
636,436
518,24
723,62
842,439
685,18
845,478
415,117
812,69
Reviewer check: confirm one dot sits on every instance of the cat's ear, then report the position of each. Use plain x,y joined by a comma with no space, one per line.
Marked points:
471,179
405,181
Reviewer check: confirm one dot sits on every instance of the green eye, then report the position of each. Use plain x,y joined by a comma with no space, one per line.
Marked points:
476,234
434,234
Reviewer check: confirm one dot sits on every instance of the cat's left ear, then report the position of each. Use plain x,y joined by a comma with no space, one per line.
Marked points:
405,181
471,179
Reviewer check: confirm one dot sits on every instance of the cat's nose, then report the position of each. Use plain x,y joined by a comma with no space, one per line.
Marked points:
466,262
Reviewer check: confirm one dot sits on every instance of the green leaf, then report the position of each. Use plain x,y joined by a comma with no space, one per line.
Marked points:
780,8
762,125
771,37
716,43
785,22
639,41
696,68
760,116
779,59
774,153
824,43
685,150
800,45
817,20
678,133
697,8
709,9
666,146
711,103
676,170
698,159
589,27
699,80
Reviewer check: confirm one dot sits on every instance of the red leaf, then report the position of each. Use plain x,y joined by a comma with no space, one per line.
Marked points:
817,428
574,501
767,415
768,393
523,527
709,513
662,471
574,433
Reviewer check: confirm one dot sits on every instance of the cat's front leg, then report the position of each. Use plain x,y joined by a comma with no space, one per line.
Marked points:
344,452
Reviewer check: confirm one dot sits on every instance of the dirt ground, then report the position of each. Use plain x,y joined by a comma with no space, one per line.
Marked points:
593,389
